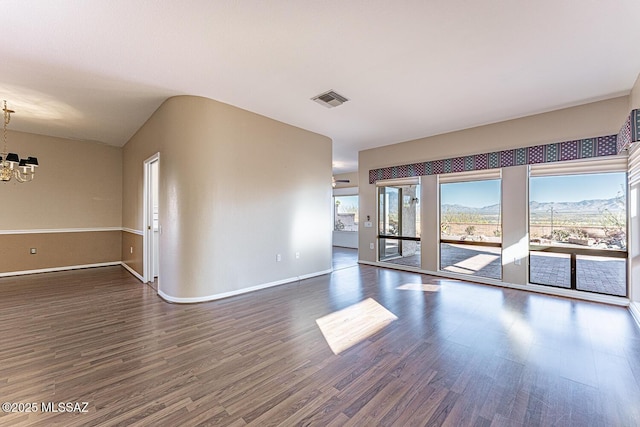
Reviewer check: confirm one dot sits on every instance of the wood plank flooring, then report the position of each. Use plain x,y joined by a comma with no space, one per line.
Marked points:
414,350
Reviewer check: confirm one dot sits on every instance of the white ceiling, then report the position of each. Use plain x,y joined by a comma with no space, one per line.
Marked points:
96,70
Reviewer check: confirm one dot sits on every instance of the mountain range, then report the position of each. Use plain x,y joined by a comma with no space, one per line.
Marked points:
584,206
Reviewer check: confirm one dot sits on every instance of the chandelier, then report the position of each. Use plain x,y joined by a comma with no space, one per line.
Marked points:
11,166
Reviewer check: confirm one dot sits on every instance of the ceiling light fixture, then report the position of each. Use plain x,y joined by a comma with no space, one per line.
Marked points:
11,166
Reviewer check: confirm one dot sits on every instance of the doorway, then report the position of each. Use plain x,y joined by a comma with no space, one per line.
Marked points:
399,224
152,227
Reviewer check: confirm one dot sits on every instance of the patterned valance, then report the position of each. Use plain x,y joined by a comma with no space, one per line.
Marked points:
556,152
630,131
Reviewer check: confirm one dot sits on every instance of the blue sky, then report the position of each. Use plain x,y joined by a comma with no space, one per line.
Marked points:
575,188
475,194
568,188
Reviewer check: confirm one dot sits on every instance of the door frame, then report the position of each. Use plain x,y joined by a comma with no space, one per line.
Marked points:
147,222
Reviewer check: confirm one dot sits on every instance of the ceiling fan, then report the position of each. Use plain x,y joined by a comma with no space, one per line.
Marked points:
336,181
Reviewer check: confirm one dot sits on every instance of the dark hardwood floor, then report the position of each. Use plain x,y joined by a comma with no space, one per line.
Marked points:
412,350
344,257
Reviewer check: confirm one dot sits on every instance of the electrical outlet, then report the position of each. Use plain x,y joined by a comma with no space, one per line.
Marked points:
278,258
371,246
297,255
33,251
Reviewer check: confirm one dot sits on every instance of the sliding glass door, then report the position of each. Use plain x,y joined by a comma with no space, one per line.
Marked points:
399,224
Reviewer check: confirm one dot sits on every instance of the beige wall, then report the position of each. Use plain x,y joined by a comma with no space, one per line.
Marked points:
429,221
515,235
236,189
132,251
78,185
58,250
595,119
585,121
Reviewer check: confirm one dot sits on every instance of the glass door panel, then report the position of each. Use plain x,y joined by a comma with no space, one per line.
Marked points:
399,224
389,222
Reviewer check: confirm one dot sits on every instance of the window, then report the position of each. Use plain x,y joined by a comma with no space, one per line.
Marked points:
345,217
471,228
578,232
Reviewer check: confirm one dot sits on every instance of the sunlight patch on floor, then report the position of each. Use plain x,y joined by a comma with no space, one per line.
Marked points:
345,328
419,287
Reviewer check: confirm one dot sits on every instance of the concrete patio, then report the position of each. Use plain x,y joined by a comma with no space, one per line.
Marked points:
594,274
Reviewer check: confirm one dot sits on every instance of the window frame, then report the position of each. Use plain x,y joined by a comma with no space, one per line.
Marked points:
472,176
615,164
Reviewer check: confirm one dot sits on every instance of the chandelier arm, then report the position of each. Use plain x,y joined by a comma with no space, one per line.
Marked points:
17,176
23,176
10,164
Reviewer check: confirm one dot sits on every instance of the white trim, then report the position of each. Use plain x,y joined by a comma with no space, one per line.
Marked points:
147,220
132,271
65,268
569,293
60,230
633,173
345,191
414,180
475,175
169,298
634,308
132,231
591,165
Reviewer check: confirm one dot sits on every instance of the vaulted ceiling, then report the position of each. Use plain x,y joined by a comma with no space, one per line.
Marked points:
96,70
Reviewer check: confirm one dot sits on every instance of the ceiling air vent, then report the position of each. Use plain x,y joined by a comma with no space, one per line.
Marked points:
330,99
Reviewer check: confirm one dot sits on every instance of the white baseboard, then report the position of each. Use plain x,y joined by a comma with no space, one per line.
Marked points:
213,297
65,268
568,293
132,271
634,308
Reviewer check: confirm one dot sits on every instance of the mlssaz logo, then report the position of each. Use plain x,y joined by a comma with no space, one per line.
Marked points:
78,407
